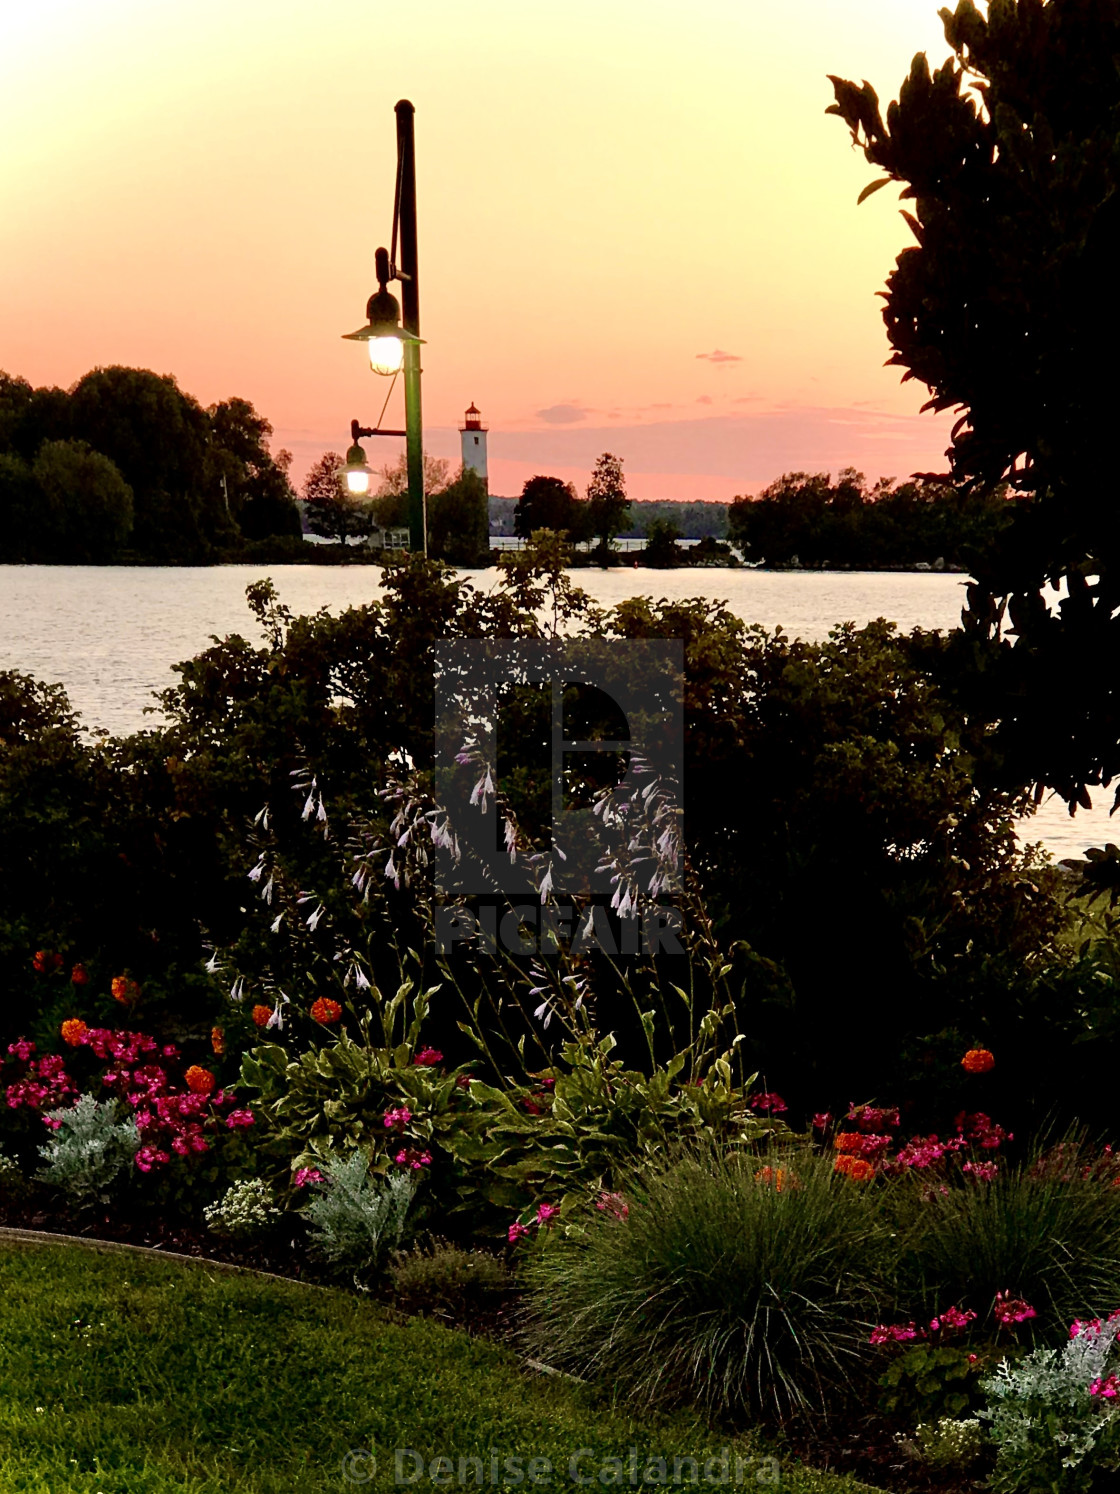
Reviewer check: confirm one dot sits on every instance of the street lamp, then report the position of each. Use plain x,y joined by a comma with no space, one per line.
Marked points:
393,339
358,471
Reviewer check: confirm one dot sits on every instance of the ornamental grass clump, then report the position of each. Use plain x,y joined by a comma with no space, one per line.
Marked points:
717,1286
1046,1231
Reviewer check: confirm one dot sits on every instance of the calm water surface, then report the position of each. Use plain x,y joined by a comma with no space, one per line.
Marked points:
111,634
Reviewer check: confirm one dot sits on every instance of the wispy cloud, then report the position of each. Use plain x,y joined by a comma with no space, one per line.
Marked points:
563,414
717,355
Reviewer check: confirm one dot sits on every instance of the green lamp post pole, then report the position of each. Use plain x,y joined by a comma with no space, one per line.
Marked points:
393,346
410,318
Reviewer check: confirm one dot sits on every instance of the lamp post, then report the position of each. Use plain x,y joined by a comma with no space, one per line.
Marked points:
393,340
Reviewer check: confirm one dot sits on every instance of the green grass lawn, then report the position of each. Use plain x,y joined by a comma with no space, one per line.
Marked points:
120,1374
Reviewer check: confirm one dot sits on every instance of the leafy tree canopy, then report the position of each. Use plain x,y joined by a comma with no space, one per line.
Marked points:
550,503
606,497
1010,156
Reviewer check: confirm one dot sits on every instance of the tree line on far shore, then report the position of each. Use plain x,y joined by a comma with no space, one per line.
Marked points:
805,519
125,465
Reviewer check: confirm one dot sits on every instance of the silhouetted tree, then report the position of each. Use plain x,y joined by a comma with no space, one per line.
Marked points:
332,511
606,497
662,550
1003,308
260,496
550,503
85,509
158,437
458,523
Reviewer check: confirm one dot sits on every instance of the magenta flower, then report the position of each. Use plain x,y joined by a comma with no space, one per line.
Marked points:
894,1333
954,1319
305,1176
396,1120
546,1213
428,1057
1008,1310
239,1118
981,1172
21,1049
821,1120
517,1231
1108,1389
769,1103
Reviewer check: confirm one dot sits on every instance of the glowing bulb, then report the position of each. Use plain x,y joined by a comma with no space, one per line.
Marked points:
357,481
386,354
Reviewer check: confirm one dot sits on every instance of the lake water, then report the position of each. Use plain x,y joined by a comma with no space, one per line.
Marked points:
111,634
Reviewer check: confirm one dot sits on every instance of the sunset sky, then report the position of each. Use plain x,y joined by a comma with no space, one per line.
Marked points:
638,228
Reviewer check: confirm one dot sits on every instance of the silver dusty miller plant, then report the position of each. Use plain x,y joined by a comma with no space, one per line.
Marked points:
1054,1414
357,1218
90,1149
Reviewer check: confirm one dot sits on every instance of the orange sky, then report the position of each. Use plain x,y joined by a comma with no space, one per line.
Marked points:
610,191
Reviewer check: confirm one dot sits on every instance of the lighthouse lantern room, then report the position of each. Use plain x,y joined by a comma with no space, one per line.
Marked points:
472,435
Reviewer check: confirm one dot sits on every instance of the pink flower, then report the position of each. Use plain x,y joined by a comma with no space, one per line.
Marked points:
1008,1310
1108,1389
867,1118
517,1231
894,1333
428,1057
769,1103
981,1172
305,1176
953,1319
613,1204
239,1118
21,1049
821,1120
396,1120
547,1212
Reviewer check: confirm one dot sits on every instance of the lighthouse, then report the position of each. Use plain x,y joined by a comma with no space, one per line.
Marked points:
472,435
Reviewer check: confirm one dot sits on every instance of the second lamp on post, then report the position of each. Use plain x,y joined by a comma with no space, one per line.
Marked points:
394,347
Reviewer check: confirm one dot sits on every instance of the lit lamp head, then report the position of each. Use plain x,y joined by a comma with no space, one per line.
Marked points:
383,335
358,470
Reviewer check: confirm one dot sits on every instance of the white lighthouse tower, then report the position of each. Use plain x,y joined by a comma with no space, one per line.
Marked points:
472,435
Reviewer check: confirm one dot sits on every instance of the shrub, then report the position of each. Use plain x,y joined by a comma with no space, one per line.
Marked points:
739,1286
446,1279
243,1211
89,1150
1047,1231
1055,1417
946,1443
357,1218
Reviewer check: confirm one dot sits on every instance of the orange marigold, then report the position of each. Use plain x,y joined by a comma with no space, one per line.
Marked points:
778,1176
78,976
73,1031
849,1141
978,1061
199,1081
218,1040
262,1015
325,1010
124,990
855,1168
